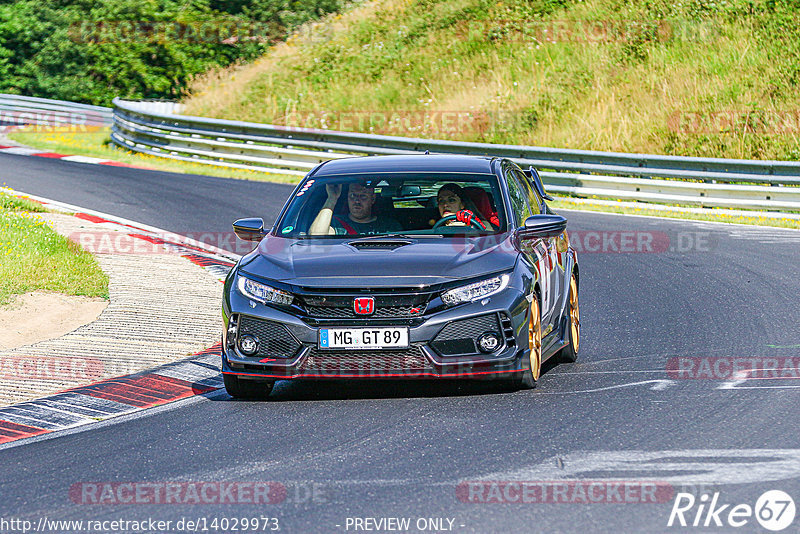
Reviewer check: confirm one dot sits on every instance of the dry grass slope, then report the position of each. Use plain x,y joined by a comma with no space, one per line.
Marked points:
599,75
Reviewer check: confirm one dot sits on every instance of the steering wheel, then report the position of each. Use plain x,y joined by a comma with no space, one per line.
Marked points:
447,218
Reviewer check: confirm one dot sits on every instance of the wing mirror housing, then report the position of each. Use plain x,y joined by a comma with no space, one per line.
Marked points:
544,225
251,229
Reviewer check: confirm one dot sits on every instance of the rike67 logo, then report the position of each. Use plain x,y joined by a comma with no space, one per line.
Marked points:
774,510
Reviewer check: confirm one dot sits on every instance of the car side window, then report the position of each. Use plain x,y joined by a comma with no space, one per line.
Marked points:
518,201
534,199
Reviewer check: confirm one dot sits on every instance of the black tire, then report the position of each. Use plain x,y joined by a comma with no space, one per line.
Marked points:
534,363
246,389
570,353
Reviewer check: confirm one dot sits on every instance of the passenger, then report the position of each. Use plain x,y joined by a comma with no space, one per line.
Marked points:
452,200
359,219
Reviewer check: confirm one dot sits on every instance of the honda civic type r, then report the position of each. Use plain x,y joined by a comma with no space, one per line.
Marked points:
419,266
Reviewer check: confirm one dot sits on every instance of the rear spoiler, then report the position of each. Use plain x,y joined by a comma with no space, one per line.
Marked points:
534,175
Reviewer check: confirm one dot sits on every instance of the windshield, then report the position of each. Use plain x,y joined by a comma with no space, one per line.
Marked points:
388,204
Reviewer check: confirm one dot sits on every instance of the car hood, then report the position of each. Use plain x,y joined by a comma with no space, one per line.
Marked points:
417,261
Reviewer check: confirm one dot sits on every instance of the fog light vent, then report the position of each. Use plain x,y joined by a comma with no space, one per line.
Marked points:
463,337
230,336
274,339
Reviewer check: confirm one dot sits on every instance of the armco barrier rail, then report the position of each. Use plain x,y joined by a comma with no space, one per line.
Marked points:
18,110
157,128
707,182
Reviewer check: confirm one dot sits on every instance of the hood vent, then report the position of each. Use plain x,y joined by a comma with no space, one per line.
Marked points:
378,244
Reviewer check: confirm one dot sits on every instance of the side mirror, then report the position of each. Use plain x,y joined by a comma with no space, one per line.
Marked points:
545,225
251,229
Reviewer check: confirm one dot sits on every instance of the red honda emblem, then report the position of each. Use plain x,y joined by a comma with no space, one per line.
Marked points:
364,305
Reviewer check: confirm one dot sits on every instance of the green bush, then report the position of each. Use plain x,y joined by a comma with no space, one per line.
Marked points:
76,49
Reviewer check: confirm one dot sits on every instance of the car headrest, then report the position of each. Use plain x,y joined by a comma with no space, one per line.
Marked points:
383,205
481,199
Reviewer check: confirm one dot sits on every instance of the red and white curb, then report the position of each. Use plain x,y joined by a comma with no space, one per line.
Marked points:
197,375
27,151
113,397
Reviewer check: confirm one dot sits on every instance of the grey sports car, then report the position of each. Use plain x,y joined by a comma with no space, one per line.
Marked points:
408,267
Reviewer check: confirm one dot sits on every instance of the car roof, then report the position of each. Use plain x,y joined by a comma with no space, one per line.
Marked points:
434,163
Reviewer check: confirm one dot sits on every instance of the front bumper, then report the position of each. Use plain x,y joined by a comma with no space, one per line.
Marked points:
424,359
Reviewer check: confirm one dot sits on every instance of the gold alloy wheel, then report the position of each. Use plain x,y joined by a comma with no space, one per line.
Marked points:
574,314
535,339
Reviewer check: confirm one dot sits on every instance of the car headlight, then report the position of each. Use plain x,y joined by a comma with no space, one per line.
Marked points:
475,291
263,293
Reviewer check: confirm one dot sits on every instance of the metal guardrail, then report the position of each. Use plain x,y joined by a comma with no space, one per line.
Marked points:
156,106
16,110
157,129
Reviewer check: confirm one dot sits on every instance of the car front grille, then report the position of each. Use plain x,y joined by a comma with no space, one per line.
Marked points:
392,305
381,312
274,340
411,360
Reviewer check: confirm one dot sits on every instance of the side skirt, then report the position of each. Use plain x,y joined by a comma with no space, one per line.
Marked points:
554,342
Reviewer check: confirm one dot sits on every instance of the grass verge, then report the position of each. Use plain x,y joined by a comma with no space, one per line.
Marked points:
97,144
34,257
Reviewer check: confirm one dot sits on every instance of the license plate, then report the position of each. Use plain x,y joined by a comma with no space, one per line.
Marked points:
363,338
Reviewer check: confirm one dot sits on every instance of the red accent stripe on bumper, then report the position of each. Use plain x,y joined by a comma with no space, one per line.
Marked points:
383,375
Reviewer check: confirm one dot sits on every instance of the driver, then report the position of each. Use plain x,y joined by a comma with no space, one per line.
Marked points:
452,200
359,219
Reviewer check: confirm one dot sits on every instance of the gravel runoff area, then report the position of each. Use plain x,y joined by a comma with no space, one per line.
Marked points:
162,308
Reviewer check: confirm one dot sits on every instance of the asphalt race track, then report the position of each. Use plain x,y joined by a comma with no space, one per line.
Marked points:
207,206
707,294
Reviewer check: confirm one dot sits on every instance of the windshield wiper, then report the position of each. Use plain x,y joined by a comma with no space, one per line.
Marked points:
397,235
